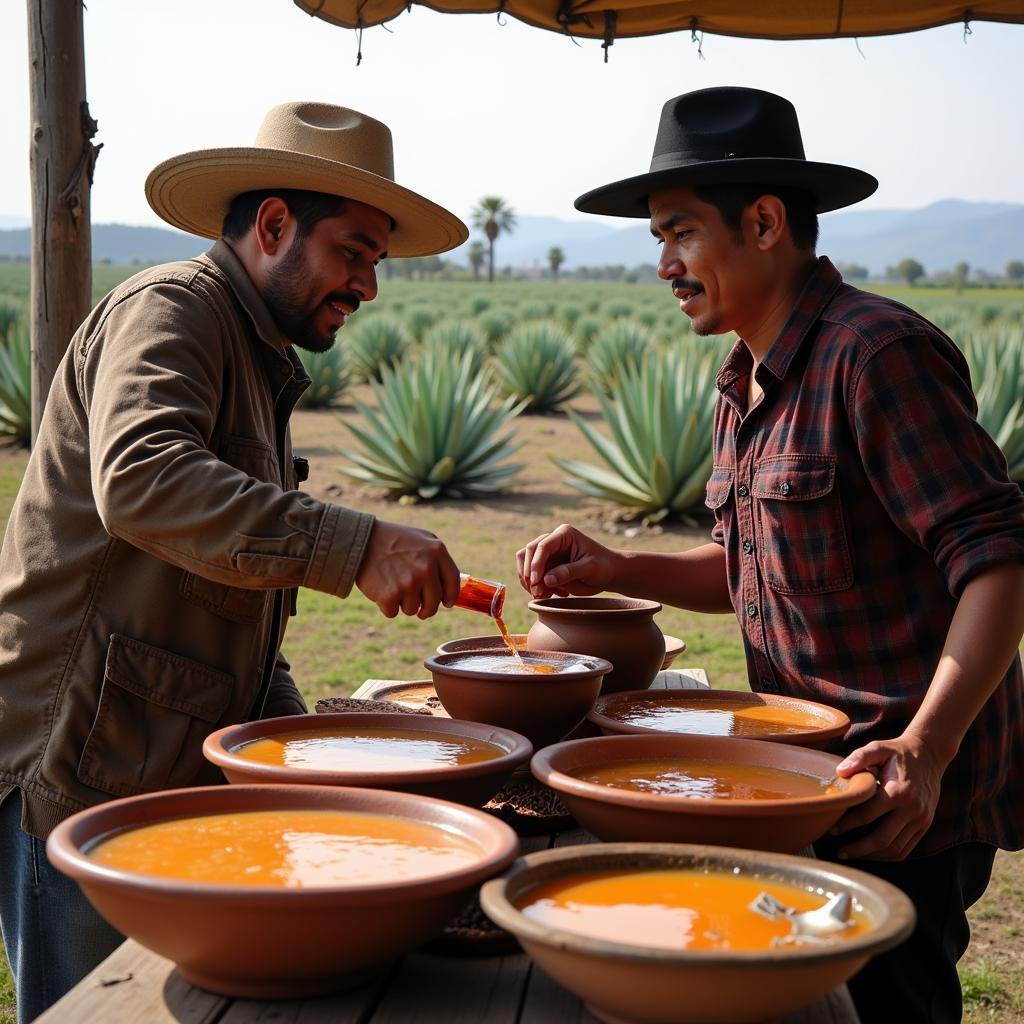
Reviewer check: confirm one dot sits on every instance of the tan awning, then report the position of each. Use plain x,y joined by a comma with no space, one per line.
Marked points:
616,19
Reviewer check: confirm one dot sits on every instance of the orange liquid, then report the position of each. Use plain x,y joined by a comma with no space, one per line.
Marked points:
701,779
290,849
709,718
367,749
505,635
488,598
674,909
528,665
413,696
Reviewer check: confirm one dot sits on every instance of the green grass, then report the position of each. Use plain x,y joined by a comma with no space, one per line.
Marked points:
983,987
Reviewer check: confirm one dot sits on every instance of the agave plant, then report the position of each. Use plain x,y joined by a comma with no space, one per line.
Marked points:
622,343
16,385
536,364
10,316
585,330
436,431
452,338
659,456
996,359
374,344
330,377
495,324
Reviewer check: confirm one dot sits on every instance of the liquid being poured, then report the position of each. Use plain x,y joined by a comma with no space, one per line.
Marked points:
488,598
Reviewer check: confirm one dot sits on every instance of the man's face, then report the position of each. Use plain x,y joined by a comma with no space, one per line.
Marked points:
713,271
320,279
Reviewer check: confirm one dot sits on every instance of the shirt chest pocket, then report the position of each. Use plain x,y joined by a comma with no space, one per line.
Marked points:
801,541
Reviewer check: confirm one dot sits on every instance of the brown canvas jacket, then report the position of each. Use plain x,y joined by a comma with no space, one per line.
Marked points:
149,562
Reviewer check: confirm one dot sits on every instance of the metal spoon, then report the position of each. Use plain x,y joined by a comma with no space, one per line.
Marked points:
811,925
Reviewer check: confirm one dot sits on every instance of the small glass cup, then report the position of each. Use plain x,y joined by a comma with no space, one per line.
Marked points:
483,596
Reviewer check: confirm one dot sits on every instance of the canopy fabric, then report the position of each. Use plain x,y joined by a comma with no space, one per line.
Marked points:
614,19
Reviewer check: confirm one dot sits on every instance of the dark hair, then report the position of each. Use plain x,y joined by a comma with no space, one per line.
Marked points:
732,200
309,208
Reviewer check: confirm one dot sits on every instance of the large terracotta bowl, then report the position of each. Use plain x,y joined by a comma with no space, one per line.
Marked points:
263,942
619,629
823,723
612,814
472,784
544,708
626,982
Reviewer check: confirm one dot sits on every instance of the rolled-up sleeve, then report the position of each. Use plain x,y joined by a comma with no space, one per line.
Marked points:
940,476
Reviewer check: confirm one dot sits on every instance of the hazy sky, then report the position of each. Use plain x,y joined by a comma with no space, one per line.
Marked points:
477,108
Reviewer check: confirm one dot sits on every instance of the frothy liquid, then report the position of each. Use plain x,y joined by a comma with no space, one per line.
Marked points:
518,665
706,779
674,909
367,749
708,718
290,849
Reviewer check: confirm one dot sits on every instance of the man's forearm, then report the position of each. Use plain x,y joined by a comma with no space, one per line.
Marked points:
694,579
980,644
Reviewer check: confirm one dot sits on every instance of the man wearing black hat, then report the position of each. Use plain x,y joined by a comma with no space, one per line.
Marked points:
866,534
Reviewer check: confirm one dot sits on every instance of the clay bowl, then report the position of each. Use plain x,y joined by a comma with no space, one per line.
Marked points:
626,982
700,712
472,784
673,648
784,825
544,708
264,942
490,643
619,629
415,694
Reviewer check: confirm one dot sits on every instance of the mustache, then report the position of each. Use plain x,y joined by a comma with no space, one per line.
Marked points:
344,299
686,284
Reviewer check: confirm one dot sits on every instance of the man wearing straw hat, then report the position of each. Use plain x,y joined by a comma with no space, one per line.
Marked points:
866,534
155,547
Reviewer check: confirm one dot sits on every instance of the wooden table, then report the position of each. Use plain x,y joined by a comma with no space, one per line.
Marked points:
136,986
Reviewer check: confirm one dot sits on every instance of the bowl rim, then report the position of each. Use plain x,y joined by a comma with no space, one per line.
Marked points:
895,925
442,663
518,748
64,846
562,607
858,787
487,642
839,720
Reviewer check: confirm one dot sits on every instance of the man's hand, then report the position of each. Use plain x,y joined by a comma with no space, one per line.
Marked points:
565,562
904,803
405,569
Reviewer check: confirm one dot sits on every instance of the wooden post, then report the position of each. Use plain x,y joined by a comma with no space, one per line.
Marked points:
61,159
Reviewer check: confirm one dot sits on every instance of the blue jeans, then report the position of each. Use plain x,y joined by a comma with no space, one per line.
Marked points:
52,935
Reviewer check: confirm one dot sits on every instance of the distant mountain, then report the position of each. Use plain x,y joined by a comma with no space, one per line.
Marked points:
985,235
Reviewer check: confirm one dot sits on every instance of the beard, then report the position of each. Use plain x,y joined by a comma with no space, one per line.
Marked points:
287,295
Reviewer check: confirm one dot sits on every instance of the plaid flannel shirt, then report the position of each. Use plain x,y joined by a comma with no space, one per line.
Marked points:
855,501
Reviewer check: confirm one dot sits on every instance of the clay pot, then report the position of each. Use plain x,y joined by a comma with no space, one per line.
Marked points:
544,708
472,784
270,943
620,629
625,982
823,722
673,648
612,814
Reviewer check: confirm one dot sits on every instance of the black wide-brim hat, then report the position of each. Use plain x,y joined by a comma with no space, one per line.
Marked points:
730,136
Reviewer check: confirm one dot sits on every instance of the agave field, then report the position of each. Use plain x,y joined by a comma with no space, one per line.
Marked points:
451,365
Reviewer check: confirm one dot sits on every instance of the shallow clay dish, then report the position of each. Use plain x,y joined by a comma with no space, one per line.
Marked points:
267,943
492,643
544,708
626,982
673,648
472,784
416,694
823,723
619,629
613,814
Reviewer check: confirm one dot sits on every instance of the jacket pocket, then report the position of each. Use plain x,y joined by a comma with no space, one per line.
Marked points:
239,604
154,712
801,531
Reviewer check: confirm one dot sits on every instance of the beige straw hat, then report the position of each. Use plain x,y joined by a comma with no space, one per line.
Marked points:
313,146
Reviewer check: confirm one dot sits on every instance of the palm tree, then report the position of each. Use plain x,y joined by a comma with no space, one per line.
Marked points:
555,259
492,216
476,258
